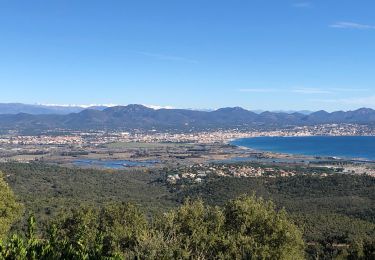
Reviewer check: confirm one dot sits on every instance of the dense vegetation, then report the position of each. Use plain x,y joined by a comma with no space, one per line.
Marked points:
245,228
45,190
10,209
335,213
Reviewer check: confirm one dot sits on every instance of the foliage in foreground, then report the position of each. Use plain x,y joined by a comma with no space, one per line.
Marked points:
10,209
336,213
247,228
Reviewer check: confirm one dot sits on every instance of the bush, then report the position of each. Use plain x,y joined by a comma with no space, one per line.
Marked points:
246,228
10,209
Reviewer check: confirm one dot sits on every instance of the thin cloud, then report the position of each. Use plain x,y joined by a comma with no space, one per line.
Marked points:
303,90
349,89
351,25
311,91
167,57
359,101
258,90
302,5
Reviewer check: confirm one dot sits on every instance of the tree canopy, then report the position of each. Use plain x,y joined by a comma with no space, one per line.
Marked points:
245,228
10,209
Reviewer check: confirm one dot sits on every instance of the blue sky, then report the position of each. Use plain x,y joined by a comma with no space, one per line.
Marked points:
258,54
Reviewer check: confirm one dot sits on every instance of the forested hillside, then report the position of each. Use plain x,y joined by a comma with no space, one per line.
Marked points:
335,214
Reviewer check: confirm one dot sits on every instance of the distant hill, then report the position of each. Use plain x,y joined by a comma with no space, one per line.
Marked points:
143,118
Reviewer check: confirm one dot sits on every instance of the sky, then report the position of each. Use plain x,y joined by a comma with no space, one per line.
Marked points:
257,54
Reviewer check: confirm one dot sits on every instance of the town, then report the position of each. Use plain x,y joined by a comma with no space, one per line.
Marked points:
67,137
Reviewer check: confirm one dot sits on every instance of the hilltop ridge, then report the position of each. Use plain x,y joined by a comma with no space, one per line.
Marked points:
136,116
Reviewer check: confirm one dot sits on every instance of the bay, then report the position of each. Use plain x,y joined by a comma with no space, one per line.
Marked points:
348,147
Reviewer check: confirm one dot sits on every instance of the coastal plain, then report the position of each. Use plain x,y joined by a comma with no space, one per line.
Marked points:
330,199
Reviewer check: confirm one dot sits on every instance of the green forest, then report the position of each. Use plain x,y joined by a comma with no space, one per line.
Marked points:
51,212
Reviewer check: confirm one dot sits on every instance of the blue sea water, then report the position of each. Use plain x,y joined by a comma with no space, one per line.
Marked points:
351,147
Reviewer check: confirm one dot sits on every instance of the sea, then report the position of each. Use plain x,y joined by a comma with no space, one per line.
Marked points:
345,147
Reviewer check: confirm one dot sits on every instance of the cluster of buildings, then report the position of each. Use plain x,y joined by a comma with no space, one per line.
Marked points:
217,136
193,137
42,140
198,173
328,130
222,136
360,169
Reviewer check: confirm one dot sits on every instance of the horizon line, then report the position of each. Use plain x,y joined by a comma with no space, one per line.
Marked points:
158,107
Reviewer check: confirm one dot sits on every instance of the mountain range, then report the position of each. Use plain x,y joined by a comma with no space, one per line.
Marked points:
143,118
44,109
39,109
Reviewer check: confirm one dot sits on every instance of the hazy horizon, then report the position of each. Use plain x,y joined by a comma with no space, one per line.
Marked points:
157,107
